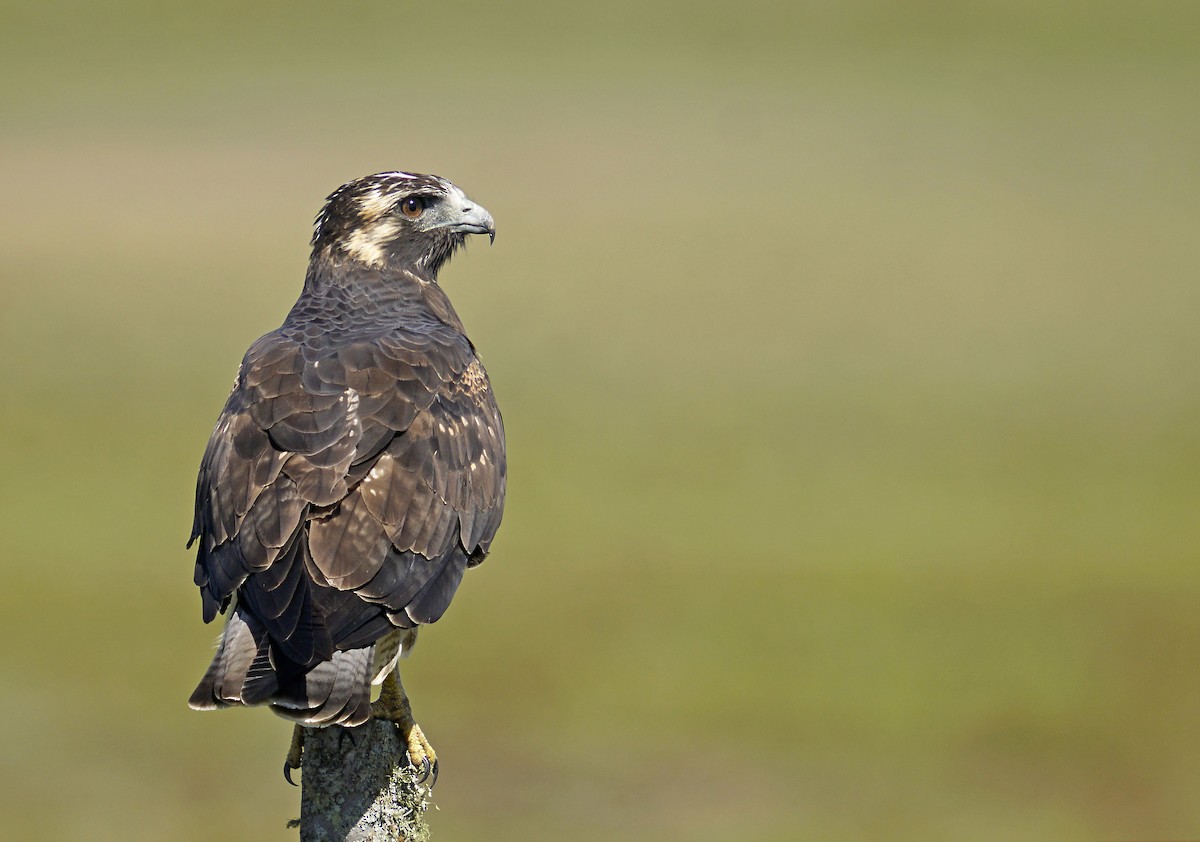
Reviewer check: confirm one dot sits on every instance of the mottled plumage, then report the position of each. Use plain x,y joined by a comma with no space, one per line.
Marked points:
357,469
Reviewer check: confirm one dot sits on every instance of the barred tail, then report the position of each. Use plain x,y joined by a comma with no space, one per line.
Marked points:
243,672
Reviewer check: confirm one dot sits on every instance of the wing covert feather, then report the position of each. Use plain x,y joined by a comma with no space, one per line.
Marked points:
345,490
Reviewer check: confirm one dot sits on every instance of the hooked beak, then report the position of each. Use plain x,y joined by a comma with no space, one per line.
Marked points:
473,219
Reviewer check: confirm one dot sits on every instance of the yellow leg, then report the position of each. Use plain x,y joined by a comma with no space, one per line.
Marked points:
393,706
295,754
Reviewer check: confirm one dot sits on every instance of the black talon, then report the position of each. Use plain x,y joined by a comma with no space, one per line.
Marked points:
287,773
433,782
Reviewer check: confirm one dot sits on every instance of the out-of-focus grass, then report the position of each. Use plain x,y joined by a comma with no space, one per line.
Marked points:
848,361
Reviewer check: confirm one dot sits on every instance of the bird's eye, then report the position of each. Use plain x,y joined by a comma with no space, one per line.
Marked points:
412,206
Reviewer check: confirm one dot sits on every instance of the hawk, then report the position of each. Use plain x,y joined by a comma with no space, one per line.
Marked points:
356,471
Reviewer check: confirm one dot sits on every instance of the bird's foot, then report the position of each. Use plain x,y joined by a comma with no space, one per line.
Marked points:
295,754
420,753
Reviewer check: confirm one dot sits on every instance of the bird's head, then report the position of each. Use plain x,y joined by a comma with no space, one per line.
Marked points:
398,220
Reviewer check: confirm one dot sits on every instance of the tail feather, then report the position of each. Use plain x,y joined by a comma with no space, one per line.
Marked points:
245,671
335,692
243,643
261,680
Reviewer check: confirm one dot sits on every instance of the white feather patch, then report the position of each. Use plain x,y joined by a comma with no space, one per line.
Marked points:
376,203
389,649
367,244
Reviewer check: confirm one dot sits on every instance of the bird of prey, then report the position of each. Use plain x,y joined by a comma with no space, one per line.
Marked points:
356,471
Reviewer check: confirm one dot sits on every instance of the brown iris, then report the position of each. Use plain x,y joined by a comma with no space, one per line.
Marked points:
412,206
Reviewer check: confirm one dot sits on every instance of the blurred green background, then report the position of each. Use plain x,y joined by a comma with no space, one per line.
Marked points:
848,354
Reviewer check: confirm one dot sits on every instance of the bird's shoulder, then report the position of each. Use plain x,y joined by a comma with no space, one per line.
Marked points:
346,372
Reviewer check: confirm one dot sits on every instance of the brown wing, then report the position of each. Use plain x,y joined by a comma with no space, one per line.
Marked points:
344,492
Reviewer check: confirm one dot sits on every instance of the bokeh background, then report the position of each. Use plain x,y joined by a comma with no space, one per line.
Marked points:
848,354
